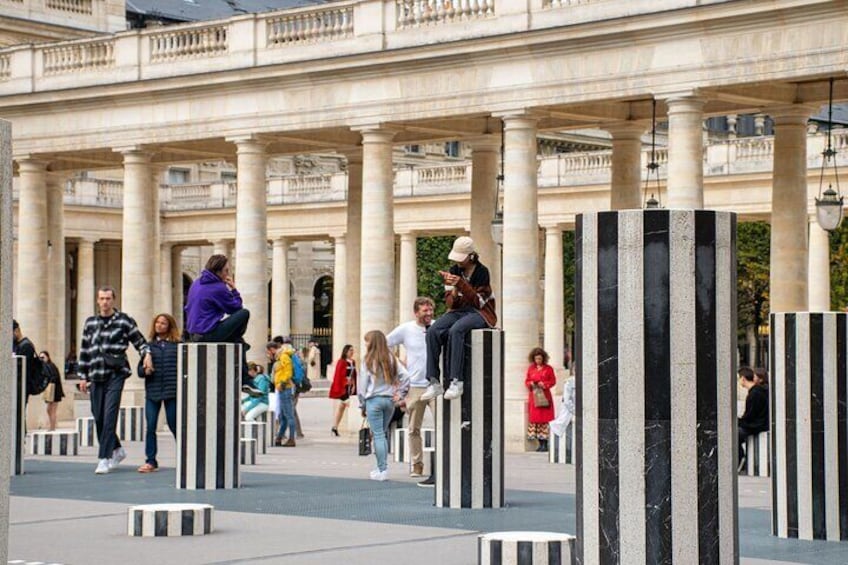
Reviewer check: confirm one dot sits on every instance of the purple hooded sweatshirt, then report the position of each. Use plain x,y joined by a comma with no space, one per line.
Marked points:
208,300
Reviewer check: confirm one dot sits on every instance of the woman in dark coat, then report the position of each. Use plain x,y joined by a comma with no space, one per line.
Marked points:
54,393
540,376
160,384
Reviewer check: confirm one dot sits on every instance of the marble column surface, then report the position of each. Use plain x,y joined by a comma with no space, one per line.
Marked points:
353,239
408,278
138,286
626,171
280,291
85,285
340,296
165,296
32,262
6,365
554,317
685,152
819,272
57,272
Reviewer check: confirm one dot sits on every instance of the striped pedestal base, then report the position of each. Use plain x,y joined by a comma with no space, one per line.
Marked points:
469,430
169,520
247,451
18,415
255,430
130,423
87,431
402,452
59,442
655,395
809,425
267,418
757,455
562,449
208,415
525,548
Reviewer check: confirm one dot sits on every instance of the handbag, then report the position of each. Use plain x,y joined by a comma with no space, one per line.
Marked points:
114,361
539,398
364,438
49,394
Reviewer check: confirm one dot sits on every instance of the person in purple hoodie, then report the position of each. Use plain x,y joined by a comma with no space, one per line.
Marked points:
214,312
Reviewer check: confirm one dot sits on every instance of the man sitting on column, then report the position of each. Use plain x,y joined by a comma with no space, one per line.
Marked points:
412,336
214,312
471,305
756,417
103,367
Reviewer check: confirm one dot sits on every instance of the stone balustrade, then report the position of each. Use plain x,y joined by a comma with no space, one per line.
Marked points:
79,17
79,55
324,24
253,40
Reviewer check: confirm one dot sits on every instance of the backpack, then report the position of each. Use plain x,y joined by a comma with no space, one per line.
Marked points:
38,374
298,372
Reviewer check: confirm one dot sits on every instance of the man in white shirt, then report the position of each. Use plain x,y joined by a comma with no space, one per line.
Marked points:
412,336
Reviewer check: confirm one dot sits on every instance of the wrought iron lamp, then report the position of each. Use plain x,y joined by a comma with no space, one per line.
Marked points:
829,202
497,220
653,166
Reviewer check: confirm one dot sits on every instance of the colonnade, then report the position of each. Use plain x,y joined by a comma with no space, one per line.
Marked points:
369,293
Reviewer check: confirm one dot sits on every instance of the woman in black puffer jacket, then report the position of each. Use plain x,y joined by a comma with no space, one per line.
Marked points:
160,385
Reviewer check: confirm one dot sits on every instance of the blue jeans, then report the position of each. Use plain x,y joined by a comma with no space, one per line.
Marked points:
379,410
151,415
284,401
451,328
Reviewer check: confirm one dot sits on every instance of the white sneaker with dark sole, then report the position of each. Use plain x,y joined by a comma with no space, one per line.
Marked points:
118,455
433,390
103,467
454,391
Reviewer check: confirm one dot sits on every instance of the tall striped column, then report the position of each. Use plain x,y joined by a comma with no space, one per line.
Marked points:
18,411
809,425
655,387
470,430
208,392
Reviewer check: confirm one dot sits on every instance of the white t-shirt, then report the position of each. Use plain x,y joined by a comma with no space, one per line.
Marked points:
412,337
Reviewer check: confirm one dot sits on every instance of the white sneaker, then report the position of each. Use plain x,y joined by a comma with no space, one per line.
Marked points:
103,467
433,390
454,390
118,455
377,475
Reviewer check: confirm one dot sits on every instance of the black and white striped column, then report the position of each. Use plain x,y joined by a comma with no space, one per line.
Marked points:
268,419
87,431
525,548
757,455
130,426
208,415
563,449
809,425
655,391
470,432
18,415
402,452
255,430
169,520
58,442
247,451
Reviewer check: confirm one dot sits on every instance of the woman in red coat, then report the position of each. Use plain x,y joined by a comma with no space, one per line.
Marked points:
540,376
344,384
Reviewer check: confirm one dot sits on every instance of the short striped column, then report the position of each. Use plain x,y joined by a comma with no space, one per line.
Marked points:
86,431
268,419
247,451
469,430
809,425
169,520
757,455
130,426
18,415
525,548
655,394
58,442
208,415
255,430
563,449
402,452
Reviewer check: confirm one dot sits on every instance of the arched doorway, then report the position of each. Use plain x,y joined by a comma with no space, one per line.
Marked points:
322,318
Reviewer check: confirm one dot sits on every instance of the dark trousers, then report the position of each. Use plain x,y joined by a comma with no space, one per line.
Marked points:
151,415
744,434
451,328
105,402
230,330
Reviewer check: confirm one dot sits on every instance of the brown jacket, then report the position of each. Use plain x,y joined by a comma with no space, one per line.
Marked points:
475,292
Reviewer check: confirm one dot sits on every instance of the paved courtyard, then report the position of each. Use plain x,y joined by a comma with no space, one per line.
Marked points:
313,504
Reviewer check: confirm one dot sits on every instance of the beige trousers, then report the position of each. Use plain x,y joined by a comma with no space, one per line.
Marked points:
415,409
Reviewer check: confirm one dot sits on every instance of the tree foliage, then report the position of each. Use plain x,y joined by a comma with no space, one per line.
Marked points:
568,273
432,253
839,267
753,242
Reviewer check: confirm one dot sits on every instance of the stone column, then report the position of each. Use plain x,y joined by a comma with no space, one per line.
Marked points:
789,257
626,178
819,273
177,284
85,285
280,299
485,157
302,316
685,152
7,366
377,262
222,247
340,295
353,240
164,302
408,275
554,321
32,251
251,255
521,300
56,295
138,286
